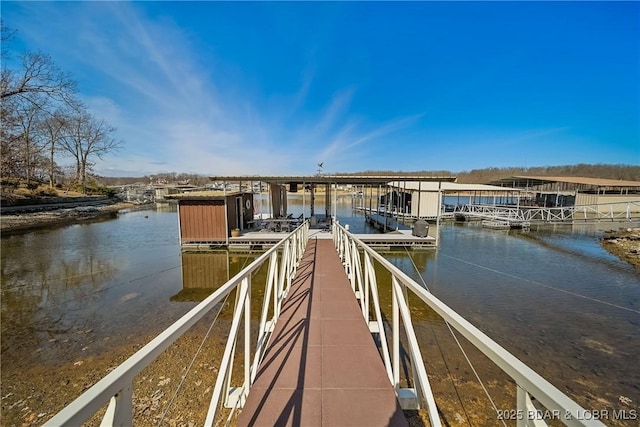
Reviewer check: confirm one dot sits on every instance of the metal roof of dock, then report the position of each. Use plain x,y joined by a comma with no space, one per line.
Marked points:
524,181
203,195
430,186
333,179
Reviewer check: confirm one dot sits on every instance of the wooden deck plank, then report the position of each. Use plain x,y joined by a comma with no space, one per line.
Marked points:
322,367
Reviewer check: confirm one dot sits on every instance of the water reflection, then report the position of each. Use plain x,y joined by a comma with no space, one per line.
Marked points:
43,280
59,283
554,298
204,272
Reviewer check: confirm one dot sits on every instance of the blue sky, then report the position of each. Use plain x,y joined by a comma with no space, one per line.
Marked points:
224,88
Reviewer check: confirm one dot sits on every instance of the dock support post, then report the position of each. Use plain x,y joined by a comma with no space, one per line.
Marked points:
439,213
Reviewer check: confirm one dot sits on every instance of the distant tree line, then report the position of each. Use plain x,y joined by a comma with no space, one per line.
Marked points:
159,178
482,176
477,176
620,172
43,122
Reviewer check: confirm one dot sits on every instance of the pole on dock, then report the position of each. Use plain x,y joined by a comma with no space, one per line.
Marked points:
439,213
327,201
419,194
335,199
404,203
313,198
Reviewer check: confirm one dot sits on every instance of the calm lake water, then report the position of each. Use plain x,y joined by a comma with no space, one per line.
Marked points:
552,296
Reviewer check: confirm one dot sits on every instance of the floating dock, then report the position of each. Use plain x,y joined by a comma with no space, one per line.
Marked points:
260,240
385,222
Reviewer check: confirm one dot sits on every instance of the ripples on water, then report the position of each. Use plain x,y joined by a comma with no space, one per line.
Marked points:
553,296
107,275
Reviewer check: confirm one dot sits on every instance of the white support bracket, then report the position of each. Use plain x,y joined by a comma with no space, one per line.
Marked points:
120,409
408,399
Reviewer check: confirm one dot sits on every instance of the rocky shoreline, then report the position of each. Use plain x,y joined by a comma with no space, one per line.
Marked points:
19,223
623,243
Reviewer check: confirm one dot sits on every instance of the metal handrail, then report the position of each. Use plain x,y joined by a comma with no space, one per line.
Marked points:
529,383
117,386
603,211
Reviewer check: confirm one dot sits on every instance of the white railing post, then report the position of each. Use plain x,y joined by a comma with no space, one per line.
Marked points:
395,337
422,386
120,409
353,263
366,286
373,287
264,329
527,414
271,279
225,366
282,290
531,384
116,387
357,277
247,342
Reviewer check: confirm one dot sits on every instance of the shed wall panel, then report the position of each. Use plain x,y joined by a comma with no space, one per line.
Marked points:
202,221
428,202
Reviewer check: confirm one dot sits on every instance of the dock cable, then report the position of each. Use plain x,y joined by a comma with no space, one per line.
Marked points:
204,339
495,408
513,276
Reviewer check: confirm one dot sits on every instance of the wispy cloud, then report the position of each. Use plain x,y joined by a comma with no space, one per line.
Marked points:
344,144
533,134
146,80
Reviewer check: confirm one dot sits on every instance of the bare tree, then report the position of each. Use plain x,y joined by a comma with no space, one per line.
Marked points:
32,91
29,140
85,138
37,75
55,128
6,35
9,135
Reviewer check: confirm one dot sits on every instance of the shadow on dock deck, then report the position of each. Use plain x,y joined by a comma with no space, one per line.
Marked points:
322,367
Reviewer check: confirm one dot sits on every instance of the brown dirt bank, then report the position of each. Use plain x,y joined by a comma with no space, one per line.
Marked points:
623,243
13,224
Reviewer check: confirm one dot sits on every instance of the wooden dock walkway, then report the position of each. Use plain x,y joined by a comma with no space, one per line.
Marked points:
322,367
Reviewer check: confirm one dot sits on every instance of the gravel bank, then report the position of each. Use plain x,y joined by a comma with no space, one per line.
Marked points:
10,224
623,243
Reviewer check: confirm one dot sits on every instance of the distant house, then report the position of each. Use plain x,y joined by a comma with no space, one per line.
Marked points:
208,217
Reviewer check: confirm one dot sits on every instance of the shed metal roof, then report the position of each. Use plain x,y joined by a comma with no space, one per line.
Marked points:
448,187
204,195
523,181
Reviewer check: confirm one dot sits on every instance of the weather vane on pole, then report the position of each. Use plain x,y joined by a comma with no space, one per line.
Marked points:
320,168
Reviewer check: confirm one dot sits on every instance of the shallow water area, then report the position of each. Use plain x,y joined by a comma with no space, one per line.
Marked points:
78,300
553,297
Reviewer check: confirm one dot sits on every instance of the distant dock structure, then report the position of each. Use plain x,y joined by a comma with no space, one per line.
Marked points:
231,217
212,219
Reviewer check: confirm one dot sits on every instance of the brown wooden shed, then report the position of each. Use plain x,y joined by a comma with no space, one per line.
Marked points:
208,217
